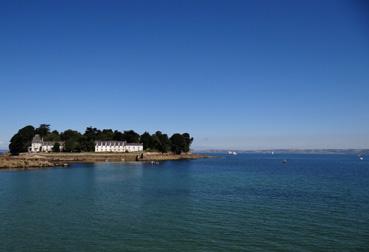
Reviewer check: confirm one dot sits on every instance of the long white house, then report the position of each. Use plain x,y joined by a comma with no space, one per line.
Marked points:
39,145
117,146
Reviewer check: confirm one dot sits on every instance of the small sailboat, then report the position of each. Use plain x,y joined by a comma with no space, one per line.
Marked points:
272,152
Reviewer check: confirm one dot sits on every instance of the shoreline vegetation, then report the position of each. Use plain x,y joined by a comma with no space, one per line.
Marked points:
44,160
76,142
80,147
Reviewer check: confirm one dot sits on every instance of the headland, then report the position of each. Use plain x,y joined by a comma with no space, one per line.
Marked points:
41,160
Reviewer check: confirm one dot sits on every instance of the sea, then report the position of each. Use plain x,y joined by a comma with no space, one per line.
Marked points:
248,202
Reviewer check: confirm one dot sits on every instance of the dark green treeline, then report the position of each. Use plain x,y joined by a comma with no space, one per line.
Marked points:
78,142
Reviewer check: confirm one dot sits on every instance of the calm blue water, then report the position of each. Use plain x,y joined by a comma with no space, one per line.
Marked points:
249,202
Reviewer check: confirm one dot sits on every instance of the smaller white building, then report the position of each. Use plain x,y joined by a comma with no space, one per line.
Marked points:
39,145
133,147
36,145
117,146
48,146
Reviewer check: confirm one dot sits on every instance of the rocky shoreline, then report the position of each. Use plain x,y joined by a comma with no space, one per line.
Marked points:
42,160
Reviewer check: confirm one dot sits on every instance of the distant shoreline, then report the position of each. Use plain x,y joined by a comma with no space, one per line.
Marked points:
292,151
41,160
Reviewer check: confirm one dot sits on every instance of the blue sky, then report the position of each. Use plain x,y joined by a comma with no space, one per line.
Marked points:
235,74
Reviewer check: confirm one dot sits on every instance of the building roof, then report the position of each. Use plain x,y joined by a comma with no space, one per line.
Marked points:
53,142
37,139
117,143
109,142
134,144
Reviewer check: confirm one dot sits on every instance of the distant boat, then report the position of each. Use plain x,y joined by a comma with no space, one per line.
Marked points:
232,153
285,161
272,152
361,158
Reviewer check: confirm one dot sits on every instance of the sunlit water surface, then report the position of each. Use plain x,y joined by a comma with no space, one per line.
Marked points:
249,202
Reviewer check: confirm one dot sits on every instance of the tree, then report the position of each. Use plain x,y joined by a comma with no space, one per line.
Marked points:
86,144
131,136
105,134
43,130
91,133
21,140
188,139
72,140
161,142
178,143
72,146
87,141
146,140
56,147
53,136
76,142
118,136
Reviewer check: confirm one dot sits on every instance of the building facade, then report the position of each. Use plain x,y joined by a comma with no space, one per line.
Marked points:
117,146
133,147
39,145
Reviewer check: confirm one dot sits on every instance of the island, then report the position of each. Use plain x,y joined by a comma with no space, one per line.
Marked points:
39,147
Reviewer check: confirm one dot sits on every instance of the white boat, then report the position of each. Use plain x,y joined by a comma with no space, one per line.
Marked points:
361,158
232,153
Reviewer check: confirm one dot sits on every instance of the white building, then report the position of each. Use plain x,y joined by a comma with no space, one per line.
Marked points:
109,146
39,145
117,146
133,147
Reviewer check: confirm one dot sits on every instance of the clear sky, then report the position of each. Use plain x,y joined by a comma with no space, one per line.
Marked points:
234,74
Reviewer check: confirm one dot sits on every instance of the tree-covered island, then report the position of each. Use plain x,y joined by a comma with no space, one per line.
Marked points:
75,141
